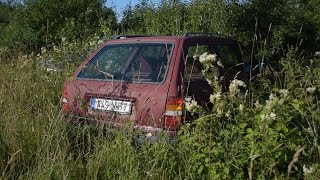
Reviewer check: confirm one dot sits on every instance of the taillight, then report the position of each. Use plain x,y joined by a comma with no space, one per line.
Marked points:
65,99
173,113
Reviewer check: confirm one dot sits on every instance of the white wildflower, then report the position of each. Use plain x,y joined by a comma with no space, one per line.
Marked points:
234,86
202,57
219,111
25,56
263,117
219,64
269,104
195,56
100,41
211,57
216,96
92,43
241,107
272,96
43,50
284,93
209,81
190,103
311,89
307,170
205,57
187,99
309,130
317,53
273,116
56,49
273,100
257,104
281,101
227,114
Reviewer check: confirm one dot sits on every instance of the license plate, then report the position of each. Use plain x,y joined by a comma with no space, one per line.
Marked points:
122,107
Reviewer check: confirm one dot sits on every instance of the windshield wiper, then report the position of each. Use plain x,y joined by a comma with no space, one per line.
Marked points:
106,74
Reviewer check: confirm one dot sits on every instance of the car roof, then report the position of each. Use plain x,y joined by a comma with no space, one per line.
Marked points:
190,38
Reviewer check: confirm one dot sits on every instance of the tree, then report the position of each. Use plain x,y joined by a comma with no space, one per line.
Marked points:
133,18
44,22
270,27
4,13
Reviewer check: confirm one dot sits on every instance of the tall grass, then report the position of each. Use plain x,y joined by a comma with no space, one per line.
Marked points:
234,142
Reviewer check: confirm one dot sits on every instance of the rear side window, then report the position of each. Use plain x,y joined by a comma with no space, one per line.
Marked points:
195,84
227,55
134,62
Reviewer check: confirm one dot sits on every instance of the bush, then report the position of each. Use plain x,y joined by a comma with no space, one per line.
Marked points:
266,132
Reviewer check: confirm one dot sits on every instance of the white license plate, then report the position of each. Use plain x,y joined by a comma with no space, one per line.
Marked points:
122,107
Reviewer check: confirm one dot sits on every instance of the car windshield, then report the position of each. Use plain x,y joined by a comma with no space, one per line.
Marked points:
132,62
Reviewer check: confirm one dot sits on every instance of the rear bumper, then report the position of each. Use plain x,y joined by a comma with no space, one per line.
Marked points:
142,133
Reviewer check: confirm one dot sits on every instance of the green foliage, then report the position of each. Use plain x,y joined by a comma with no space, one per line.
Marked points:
274,26
265,28
259,136
175,17
48,22
133,19
4,14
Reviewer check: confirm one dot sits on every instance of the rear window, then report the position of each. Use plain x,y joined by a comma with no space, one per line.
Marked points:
132,62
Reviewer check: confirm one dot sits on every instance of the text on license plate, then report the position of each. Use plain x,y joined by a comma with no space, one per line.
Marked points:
123,107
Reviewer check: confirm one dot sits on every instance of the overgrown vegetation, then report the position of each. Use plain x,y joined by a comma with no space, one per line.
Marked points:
266,129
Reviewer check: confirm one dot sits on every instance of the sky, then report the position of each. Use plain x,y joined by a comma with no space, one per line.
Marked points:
120,4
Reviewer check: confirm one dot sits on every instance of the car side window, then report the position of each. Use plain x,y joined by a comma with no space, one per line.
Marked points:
195,84
193,66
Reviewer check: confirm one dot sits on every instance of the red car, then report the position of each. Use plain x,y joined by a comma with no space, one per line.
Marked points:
143,80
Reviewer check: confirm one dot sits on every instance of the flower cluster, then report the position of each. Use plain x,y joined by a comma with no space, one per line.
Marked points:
284,93
234,86
271,116
190,104
208,61
258,105
215,96
265,117
211,68
311,89
205,58
241,107
271,102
